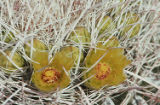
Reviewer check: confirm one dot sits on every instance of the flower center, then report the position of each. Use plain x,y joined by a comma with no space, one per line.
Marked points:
50,75
102,70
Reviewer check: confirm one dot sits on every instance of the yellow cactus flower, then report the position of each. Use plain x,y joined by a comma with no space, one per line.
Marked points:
108,71
106,25
81,35
37,46
7,65
50,79
47,76
130,26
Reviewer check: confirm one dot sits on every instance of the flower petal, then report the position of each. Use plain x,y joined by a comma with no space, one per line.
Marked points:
106,25
129,19
41,60
116,58
111,42
116,77
66,58
81,35
102,49
37,46
39,54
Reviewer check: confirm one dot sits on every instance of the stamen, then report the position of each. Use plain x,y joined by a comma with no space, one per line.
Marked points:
102,70
50,75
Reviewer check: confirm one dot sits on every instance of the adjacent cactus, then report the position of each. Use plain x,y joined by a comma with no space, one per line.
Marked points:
7,66
80,35
109,70
130,25
47,76
106,25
